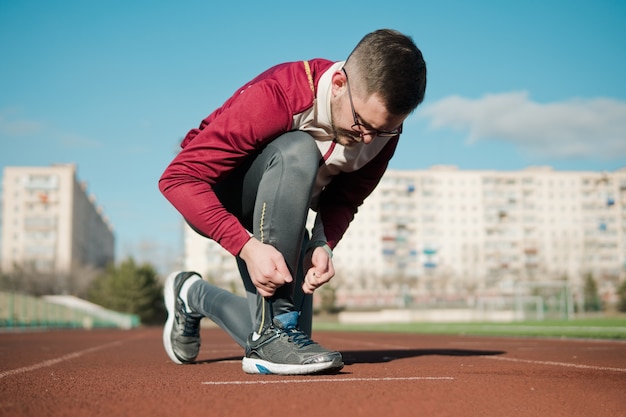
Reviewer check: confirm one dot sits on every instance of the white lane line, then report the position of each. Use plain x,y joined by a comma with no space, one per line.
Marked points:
54,361
565,364
308,381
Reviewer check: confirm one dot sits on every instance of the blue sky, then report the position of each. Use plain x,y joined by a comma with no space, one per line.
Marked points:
113,86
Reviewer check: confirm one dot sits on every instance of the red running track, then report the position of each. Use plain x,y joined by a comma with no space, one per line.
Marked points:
127,373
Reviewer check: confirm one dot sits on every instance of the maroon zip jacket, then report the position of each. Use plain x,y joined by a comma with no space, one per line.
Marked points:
277,101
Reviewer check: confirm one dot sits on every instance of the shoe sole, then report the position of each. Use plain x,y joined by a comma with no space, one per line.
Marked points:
170,302
259,366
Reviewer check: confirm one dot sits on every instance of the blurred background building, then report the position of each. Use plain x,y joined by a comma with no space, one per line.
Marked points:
445,235
52,229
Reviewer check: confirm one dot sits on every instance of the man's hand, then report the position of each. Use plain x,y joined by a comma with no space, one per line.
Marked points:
319,269
266,266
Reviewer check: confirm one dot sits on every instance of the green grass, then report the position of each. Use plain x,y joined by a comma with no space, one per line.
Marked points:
593,328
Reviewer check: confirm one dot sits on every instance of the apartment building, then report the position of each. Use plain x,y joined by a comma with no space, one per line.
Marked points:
50,224
449,234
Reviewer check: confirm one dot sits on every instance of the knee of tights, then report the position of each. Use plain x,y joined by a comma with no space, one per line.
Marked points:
299,150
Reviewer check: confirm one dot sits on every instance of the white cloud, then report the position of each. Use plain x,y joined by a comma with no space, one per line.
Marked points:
9,125
12,125
594,128
74,141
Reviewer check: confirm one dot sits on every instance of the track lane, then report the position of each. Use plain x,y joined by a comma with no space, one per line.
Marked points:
117,373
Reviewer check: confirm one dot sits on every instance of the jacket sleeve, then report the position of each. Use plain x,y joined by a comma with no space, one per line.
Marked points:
340,200
257,115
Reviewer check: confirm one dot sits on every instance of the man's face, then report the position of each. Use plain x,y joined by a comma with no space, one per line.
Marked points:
372,117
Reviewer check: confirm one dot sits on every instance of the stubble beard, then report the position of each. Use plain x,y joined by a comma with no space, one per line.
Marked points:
342,136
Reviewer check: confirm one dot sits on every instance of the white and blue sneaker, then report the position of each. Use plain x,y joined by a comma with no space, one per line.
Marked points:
285,350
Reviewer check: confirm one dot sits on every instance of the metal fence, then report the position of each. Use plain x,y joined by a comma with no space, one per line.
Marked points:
24,311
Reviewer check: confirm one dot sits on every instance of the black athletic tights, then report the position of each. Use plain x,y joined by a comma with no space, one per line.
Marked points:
270,194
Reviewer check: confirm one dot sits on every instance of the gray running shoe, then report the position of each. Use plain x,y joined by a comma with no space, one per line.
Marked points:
284,349
181,334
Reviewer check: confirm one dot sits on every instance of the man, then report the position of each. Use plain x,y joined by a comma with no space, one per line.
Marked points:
311,134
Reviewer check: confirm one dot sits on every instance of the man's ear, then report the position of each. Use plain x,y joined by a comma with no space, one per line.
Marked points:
338,83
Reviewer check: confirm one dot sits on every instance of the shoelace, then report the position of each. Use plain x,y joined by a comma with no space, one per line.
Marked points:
191,324
298,337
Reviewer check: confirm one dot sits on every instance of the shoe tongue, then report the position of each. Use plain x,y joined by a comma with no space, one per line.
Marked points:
286,321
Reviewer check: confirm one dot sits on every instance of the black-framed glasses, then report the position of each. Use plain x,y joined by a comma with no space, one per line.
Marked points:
362,129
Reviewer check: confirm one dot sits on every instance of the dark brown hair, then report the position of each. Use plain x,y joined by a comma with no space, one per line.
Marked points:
389,63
